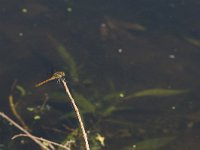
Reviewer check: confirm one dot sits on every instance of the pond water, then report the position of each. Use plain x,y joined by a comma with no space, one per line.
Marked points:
132,67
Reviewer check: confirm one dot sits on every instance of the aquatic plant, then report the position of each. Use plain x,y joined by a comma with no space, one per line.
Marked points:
67,58
60,76
46,144
156,92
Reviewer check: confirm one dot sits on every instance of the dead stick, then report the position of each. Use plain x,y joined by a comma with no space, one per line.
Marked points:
23,130
78,115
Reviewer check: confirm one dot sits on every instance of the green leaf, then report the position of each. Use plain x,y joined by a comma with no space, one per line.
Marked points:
37,117
21,89
157,92
193,41
58,96
114,96
83,103
70,139
66,57
109,111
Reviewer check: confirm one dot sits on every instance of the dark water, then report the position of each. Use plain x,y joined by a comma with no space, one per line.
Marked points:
132,66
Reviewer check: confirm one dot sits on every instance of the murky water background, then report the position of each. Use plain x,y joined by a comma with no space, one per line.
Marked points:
133,68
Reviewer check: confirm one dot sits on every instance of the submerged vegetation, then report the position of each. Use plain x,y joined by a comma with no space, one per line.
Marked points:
66,57
127,87
151,144
156,92
96,108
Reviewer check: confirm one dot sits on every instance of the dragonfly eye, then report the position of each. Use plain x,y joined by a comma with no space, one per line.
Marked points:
63,74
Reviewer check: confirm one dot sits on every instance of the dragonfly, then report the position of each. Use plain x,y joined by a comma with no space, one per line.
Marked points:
57,75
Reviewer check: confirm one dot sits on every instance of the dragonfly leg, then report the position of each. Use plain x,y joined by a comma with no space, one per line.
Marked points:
60,79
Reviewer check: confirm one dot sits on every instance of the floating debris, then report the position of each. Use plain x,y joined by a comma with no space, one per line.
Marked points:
24,10
101,139
37,117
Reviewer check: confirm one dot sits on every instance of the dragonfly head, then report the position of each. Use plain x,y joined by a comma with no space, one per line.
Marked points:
59,74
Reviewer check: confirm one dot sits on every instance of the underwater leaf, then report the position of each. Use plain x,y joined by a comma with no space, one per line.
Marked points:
21,89
31,109
156,92
2,146
123,25
67,58
193,41
36,117
114,96
59,96
83,103
70,140
109,111
152,144
121,123
72,114
193,117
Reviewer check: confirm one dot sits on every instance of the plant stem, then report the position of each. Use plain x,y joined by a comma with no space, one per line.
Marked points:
23,130
78,114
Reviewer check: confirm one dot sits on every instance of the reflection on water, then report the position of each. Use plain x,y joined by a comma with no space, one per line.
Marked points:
133,69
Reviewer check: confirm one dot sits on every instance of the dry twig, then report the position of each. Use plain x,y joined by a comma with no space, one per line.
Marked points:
78,114
44,143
